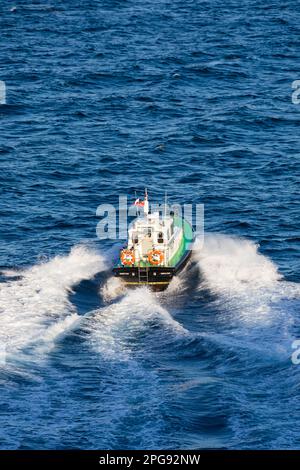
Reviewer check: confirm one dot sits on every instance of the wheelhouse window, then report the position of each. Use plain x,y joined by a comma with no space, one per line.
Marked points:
135,237
172,227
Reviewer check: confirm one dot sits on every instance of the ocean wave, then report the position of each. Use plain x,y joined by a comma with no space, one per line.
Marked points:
243,279
35,308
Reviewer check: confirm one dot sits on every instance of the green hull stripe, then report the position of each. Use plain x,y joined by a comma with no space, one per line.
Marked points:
185,241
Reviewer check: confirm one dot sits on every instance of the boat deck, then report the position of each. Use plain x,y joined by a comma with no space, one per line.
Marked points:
186,241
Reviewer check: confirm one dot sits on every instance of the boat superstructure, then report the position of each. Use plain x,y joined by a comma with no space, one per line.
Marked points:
158,247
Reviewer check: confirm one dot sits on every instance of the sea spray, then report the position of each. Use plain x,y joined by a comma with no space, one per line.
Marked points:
231,264
35,308
122,339
112,328
243,280
113,288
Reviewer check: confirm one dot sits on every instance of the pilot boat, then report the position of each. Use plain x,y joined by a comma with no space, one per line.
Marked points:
158,248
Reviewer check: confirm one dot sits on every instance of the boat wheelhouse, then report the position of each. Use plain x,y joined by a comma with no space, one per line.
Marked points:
158,247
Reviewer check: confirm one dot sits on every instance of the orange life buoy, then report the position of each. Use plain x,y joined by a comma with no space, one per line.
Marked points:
127,257
155,257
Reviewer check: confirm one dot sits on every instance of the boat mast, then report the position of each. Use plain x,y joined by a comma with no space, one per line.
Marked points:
146,203
166,198
136,207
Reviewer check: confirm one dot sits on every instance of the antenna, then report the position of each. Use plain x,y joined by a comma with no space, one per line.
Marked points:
146,203
136,207
166,199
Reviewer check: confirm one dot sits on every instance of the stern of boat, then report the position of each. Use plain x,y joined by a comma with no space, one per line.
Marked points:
157,278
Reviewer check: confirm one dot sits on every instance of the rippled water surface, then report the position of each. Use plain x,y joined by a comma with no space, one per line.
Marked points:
105,97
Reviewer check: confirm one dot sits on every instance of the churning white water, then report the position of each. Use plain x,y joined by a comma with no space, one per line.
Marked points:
35,308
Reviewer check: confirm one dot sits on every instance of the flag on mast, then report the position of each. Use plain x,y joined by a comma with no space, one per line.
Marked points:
145,204
139,203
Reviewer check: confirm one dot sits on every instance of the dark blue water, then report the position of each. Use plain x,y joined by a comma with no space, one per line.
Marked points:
105,97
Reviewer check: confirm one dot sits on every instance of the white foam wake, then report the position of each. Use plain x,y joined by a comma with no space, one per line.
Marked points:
112,289
234,270
113,329
122,339
234,264
36,307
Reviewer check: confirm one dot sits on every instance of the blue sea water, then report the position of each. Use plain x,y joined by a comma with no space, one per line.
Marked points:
106,97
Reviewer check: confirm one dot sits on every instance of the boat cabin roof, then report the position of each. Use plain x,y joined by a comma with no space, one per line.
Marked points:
151,221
